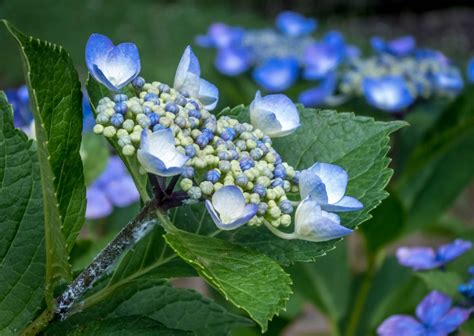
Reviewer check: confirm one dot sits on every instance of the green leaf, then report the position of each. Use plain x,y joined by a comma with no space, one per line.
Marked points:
176,308
386,224
96,92
358,144
94,154
22,250
56,98
438,169
122,326
446,282
250,280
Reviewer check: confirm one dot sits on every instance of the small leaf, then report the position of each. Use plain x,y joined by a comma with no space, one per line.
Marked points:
56,99
22,249
250,280
96,92
446,282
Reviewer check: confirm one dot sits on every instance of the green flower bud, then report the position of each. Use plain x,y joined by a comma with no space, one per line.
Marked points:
104,100
207,187
276,222
186,184
285,220
253,221
194,193
251,144
217,186
124,140
135,137
255,198
128,125
263,180
270,157
272,204
136,109
98,129
224,166
199,163
128,150
170,115
110,131
121,133
294,189
274,212
137,128
271,194
102,118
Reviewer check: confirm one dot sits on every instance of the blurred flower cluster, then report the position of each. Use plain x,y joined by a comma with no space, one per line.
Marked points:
397,74
229,165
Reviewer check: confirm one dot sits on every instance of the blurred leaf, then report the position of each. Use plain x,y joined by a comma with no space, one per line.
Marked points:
358,144
446,282
248,279
442,165
94,154
22,248
386,224
96,91
121,326
326,282
176,308
56,97
468,327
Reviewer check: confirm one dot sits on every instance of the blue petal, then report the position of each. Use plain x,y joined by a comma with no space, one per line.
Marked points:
417,258
97,49
433,307
274,114
276,74
334,178
398,325
228,201
98,205
389,93
470,70
188,73
451,321
294,24
208,94
317,96
232,61
220,35
451,251
448,81
151,163
347,203
122,192
320,59
114,170
315,225
401,46
250,212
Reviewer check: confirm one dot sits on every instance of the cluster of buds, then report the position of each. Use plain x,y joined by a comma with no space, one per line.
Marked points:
229,165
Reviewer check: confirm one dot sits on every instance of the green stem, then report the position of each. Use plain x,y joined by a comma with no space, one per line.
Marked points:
373,260
38,324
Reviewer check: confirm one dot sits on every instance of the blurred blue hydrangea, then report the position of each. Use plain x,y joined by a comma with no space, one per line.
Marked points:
434,316
114,187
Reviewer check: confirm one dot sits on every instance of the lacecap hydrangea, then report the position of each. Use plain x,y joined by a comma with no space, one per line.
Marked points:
229,165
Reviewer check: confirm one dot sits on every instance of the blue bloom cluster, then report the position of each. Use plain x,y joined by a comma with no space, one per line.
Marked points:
229,165
392,79
467,289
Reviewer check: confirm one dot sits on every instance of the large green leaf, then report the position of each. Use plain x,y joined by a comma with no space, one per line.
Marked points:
442,165
250,280
96,92
150,297
358,144
22,253
119,326
56,97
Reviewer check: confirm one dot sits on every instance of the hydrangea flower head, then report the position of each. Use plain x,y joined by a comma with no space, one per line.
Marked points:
294,24
275,114
321,59
113,66
435,316
220,35
232,61
426,258
389,93
401,46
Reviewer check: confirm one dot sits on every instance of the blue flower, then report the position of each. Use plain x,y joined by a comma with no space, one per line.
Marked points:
319,94
294,24
220,35
435,317
228,209
388,93
320,59
276,74
401,46
114,187
158,154
467,289
188,78
20,100
470,70
426,258
314,224
113,66
232,61
326,184
275,115
448,80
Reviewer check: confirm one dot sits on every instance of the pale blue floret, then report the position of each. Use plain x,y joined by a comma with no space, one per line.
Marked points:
232,61
326,184
228,209
322,58
314,224
188,79
389,93
276,115
113,66
158,154
294,24
276,74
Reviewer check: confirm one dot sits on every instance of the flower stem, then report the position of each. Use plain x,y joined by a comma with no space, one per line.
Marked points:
278,233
